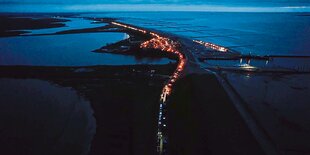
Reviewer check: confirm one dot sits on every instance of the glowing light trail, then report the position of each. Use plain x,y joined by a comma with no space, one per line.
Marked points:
129,27
212,46
170,46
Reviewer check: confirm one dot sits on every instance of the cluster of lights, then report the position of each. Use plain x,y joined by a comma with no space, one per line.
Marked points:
128,27
166,45
247,66
212,46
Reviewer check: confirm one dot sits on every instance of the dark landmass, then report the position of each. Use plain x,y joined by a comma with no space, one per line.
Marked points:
130,46
202,120
124,100
8,24
86,72
135,50
125,111
16,24
105,28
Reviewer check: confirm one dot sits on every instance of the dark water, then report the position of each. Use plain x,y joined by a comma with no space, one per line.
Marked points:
37,117
54,118
256,33
65,50
292,64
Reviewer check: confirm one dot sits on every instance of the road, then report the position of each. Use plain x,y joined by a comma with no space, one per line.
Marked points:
188,63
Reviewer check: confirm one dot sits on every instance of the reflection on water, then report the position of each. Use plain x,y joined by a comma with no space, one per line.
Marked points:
73,23
38,118
281,105
293,64
66,50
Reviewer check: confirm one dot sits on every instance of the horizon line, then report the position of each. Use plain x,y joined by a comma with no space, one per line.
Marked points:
11,8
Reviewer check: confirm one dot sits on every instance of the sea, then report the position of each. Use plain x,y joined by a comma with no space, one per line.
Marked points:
257,33
278,102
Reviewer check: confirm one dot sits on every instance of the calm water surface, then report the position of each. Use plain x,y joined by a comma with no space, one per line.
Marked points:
256,33
73,23
38,117
279,102
66,50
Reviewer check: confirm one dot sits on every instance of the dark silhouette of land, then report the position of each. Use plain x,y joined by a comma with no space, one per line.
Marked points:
202,120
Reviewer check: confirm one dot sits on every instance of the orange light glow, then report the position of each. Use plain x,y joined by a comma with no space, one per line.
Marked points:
166,45
212,46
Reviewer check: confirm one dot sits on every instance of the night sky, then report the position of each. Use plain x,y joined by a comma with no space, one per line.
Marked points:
160,5
267,2
197,2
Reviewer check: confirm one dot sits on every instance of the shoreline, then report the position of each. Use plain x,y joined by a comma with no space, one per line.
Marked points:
191,67
158,42
174,83
170,48
133,78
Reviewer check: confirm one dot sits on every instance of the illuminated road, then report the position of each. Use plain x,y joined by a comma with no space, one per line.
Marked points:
167,45
188,52
187,64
